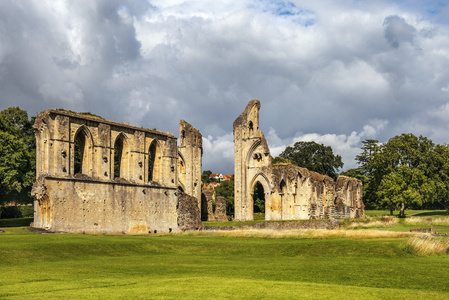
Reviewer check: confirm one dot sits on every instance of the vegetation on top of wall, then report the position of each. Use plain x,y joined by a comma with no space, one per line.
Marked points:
89,114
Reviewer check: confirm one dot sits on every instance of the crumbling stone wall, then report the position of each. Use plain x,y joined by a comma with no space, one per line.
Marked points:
207,199
190,151
127,181
291,192
207,211
189,217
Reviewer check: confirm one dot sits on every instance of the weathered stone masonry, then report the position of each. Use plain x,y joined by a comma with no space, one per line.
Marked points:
291,192
140,195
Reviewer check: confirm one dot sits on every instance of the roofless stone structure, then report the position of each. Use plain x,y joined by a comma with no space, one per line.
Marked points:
291,192
130,179
102,177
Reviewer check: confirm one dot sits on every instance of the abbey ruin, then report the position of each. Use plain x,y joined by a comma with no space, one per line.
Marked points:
291,192
130,179
98,176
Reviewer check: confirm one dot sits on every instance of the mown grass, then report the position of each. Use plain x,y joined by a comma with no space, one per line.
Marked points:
310,264
408,212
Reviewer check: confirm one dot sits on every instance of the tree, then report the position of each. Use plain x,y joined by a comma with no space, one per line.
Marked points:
398,173
315,157
226,190
205,177
439,174
17,154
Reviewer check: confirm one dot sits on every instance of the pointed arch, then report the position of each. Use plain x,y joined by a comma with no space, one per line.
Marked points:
251,150
263,180
120,155
83,147
154,161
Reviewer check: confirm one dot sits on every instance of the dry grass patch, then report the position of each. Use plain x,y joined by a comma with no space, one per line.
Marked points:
309,233
370,222
427,221
426,245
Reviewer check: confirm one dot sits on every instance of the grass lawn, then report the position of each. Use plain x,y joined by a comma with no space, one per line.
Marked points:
204,266
408,212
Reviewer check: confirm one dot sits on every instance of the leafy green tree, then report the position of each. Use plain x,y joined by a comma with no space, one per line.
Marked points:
398,173
205,177
439,174
226,190
17,154
315,157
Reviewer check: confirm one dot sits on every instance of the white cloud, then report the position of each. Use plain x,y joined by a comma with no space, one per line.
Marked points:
348,146
220,154
320,68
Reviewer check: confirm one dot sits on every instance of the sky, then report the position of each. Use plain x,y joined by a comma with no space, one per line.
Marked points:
333,72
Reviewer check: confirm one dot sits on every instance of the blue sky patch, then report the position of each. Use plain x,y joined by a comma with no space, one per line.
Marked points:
286,9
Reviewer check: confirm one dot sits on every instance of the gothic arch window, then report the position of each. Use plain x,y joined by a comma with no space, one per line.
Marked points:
118,157
154,161
82,151
282,187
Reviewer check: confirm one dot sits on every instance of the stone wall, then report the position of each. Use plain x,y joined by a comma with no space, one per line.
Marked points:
190,151
126,182
207,212
188,213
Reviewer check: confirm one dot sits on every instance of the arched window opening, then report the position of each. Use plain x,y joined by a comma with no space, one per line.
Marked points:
282,186
153,161
259,199
81,153
250,127
118,156
78,154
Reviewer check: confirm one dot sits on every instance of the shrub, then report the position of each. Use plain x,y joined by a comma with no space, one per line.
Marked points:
10,212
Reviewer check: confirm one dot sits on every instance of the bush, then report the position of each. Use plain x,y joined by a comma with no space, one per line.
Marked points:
10,212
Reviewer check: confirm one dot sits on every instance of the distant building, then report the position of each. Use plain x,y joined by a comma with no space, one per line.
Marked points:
227,177
210,186
216,176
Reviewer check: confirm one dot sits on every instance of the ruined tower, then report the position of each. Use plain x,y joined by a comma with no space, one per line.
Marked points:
190,151
252,162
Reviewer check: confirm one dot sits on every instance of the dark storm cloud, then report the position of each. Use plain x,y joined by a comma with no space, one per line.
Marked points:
397,31
336,73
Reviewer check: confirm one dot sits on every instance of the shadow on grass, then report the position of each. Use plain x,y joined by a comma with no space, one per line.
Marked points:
19,222
430,213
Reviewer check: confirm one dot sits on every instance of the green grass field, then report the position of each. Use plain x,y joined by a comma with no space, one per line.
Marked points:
205,266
